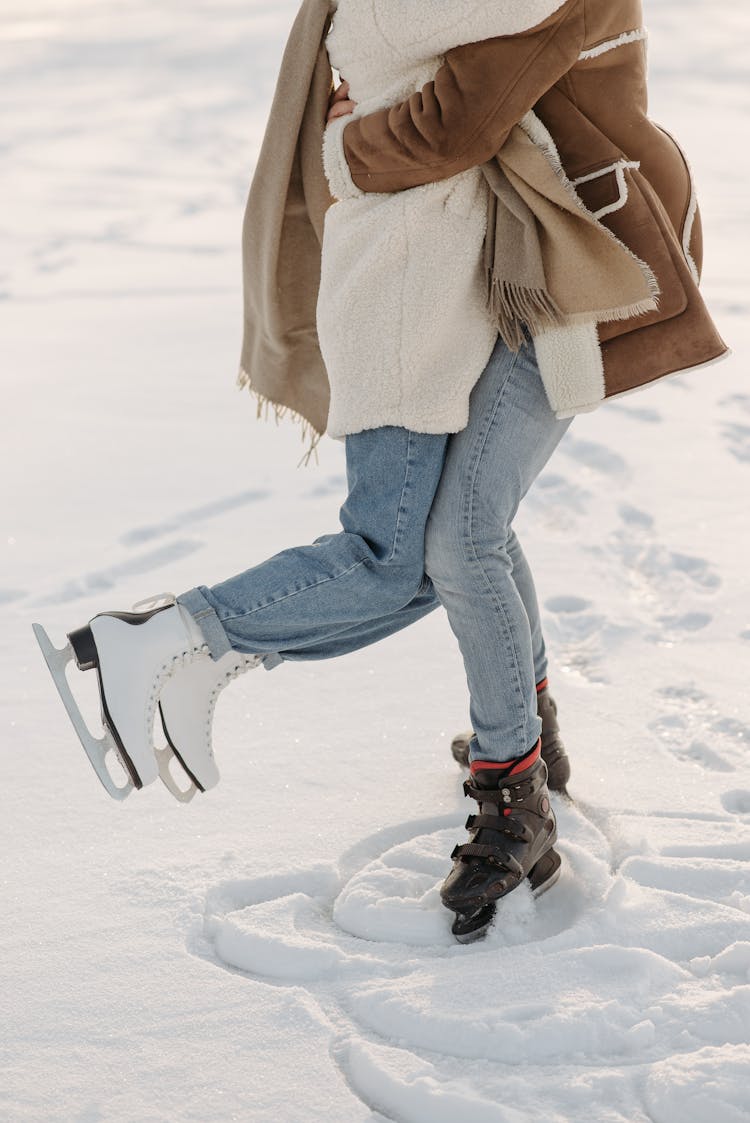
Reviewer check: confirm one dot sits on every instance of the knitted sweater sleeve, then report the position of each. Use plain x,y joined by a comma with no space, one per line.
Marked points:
461,118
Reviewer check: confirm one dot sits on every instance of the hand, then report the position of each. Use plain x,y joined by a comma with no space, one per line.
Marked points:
340,104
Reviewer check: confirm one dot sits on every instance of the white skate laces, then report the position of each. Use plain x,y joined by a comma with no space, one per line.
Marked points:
234,669
159,600
194,647
189,682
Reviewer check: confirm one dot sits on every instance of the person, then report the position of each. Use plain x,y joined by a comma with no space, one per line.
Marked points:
446,421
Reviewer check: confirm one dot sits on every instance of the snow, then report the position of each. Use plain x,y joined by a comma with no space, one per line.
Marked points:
276,950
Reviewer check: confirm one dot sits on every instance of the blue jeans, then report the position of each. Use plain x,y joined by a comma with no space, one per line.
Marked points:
427,521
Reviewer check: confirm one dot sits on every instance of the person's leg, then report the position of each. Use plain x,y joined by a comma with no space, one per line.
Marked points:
311,601
524,582
366,632
489,467
179,656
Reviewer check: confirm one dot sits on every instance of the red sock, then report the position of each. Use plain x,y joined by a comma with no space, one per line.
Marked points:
509,767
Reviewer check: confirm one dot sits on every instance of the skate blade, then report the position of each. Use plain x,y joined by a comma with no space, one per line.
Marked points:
97,749
164,759
545,873
467,928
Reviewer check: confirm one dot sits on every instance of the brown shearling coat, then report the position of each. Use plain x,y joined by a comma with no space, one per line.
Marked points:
583,72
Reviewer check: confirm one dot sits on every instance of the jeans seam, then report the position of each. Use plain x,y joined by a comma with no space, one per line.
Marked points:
404,487
469,537
294,593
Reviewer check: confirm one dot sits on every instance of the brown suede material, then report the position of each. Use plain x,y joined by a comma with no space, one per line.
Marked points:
462,118
650,225
607,20
596,112
650,235
644,353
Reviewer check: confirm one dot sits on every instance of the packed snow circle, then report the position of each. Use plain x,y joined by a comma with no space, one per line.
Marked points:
277,949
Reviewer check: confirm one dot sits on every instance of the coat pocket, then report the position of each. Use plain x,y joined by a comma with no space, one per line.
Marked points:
605,190
643,226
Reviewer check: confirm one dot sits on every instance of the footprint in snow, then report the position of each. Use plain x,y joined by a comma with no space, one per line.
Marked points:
736,404
693,728
641,413
737,439
556,502
583,638
676,627
737,801
735,429
600,459
663,583
635,517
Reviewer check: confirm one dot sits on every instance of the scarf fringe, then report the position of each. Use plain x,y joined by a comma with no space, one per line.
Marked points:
541,137
513,306
609,315
264,405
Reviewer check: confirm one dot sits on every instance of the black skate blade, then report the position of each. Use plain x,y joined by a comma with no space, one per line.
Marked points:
468,927
460,751
545,873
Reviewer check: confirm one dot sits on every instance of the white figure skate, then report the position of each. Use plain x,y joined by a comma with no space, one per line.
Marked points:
186,706
135,655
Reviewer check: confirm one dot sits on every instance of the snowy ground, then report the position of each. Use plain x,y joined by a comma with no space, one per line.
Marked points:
264,956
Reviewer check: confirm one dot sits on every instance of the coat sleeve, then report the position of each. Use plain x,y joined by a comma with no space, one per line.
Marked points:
458,120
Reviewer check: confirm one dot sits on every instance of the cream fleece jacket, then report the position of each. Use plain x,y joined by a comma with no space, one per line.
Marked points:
402,315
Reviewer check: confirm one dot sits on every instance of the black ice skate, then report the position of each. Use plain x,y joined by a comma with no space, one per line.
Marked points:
553,749
512,839
157,656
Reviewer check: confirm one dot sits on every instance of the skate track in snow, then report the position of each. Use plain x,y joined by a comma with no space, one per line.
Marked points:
593,990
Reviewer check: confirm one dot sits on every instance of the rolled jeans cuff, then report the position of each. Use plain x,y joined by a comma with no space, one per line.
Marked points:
212,628
207,620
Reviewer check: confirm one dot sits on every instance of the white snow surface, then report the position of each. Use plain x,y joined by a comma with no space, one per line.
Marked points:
276,950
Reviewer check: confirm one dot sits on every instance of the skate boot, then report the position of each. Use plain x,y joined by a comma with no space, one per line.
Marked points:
136,655
512,838
186,708
553,749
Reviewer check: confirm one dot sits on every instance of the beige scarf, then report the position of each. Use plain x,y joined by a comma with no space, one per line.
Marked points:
549,261
282,235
